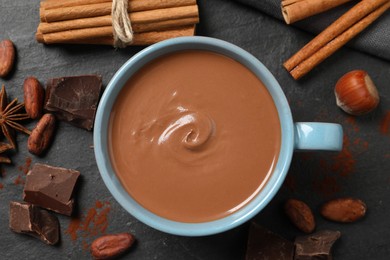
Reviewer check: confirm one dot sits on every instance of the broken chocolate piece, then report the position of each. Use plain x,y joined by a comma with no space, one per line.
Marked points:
316,246
264,244
74,99
51,187
28,219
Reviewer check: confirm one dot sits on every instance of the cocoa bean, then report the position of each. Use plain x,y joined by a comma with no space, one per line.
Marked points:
300,215
110,246
344,210
41,135
7,57
33,97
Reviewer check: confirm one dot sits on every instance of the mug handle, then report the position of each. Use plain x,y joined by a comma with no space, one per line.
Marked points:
318,136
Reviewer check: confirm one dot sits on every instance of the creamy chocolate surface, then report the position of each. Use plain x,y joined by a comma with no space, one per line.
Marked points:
194,136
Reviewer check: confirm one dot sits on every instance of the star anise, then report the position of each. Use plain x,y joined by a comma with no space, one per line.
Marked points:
3,148
10,113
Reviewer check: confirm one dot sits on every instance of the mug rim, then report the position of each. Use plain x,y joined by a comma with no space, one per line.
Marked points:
100,136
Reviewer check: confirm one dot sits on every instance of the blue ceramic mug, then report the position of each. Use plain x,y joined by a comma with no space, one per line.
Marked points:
307,136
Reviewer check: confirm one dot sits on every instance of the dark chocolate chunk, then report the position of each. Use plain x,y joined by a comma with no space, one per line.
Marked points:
28,219
264,244
74,99
51,187
316,246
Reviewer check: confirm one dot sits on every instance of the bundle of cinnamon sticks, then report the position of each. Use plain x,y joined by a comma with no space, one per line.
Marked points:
90,21
335,35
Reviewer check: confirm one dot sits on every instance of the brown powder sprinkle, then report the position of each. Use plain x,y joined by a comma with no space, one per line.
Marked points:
326,183
344,163
18,180
359,141
327,186
88,219
73,227
352,121
101,221
26,167
85,245
94,223
99,204
385,123
332,169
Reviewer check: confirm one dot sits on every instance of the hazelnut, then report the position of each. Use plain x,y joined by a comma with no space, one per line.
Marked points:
356,94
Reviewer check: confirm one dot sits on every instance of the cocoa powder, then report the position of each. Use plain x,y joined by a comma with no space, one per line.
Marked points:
344,162
93,223
19,180
26,167
327,185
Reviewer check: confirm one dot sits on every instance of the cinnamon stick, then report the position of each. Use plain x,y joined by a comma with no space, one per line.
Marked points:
336,29
104,8
296,10
53,4
146,38
142,21
165,25
307,65
90,21
66,27
74,35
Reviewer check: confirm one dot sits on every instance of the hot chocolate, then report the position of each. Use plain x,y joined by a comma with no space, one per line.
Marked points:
194,136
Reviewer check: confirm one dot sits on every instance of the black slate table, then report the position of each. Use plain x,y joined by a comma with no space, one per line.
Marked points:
362,170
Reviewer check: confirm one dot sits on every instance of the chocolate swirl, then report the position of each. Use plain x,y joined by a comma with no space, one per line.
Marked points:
181,132
191,129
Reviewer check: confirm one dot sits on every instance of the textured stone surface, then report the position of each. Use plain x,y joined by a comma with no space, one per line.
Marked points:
312,99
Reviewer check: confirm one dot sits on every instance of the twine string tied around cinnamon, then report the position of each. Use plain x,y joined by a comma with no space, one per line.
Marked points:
121,24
